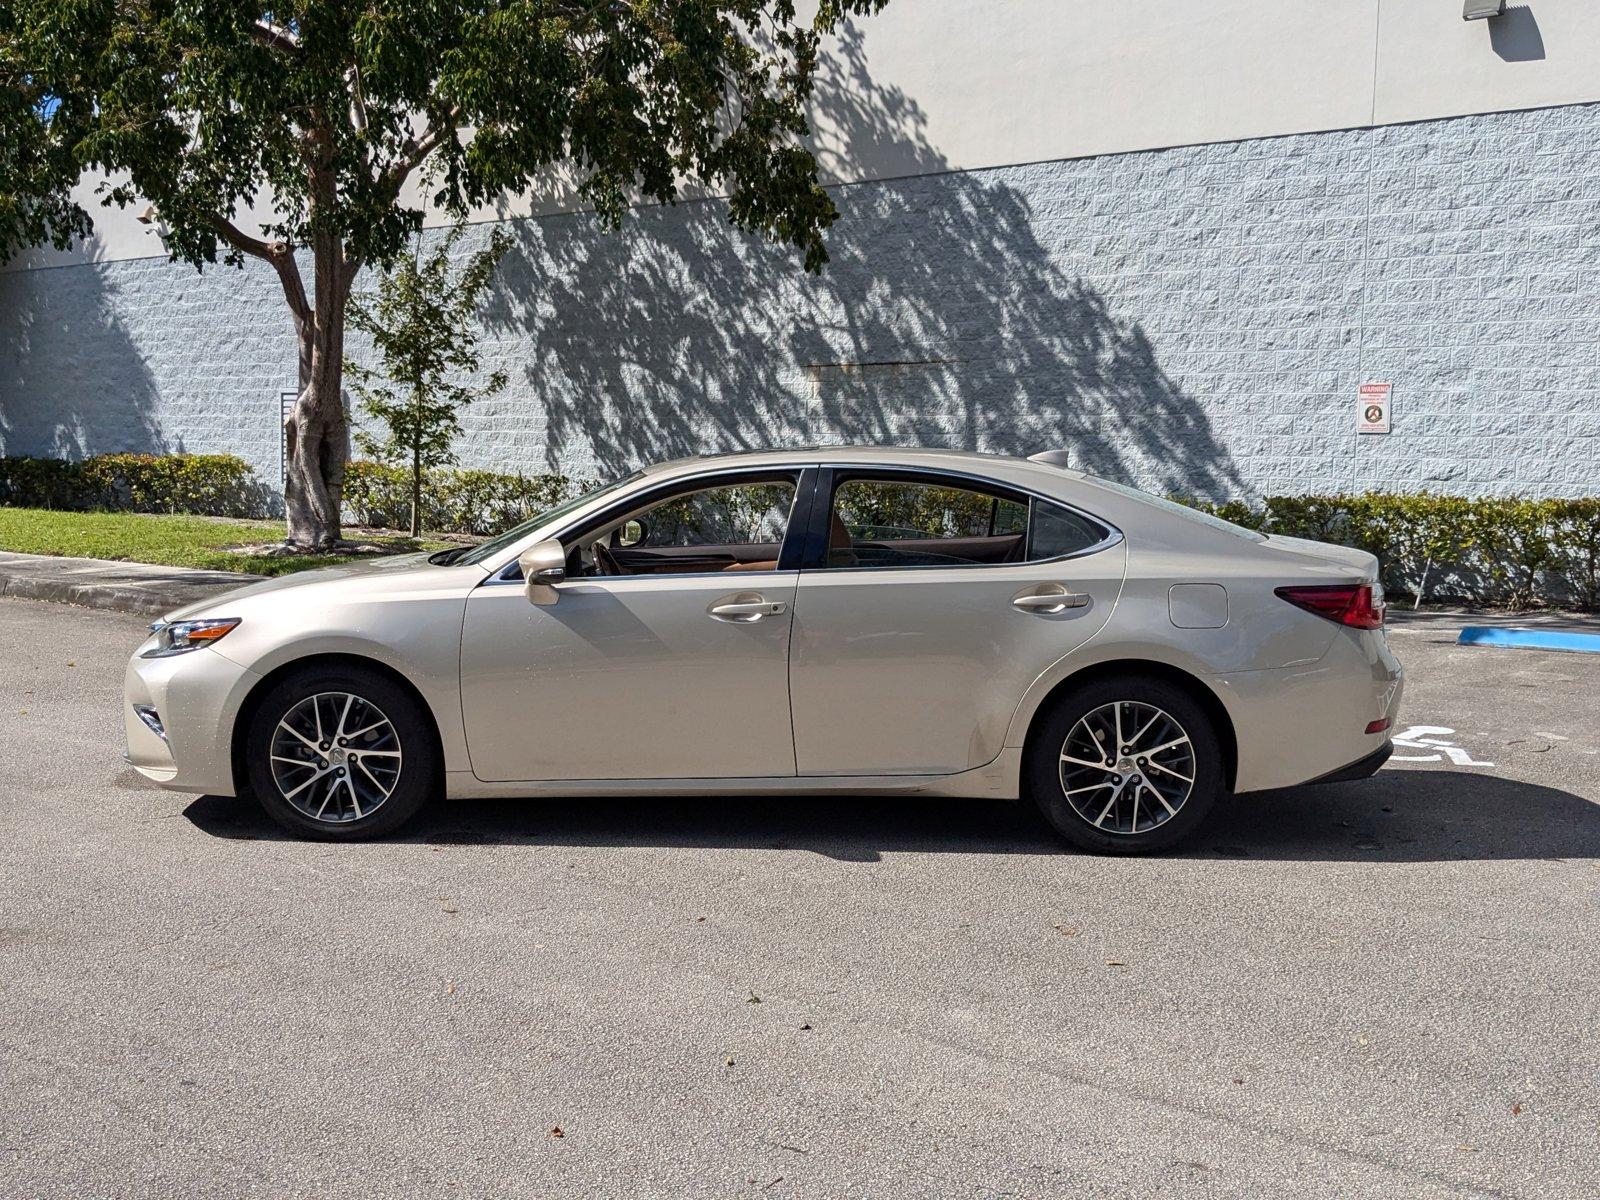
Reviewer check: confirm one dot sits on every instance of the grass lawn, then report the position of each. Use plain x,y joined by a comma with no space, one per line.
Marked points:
169,541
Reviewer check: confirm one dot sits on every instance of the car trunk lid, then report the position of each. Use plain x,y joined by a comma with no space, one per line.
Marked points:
1359,562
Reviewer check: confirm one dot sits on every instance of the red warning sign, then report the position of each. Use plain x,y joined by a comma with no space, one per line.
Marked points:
1372,407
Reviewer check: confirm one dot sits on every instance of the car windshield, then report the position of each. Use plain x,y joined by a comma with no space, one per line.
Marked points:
1182,510
494,545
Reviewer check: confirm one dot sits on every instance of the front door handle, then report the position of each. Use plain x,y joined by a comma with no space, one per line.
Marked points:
746,610
1052,599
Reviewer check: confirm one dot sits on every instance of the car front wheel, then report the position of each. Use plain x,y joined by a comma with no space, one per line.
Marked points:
340,755
1125,766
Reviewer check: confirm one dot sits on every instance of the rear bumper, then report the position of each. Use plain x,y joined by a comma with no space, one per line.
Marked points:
1362,768
1304,724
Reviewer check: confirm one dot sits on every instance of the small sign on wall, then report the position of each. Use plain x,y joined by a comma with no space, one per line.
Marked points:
1372,407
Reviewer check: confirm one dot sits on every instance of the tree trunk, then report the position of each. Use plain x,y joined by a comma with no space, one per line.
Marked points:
318,435
416,488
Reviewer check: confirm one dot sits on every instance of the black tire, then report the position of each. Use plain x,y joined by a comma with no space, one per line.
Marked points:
307,692
1139,821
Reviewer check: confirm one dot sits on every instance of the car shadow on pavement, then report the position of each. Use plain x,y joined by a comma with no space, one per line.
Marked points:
1397,816
1405,815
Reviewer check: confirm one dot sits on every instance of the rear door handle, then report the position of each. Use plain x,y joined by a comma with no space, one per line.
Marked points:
746,610
1058,599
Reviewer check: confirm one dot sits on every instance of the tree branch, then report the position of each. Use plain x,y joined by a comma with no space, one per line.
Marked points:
279,254
358,100
242,241
417,149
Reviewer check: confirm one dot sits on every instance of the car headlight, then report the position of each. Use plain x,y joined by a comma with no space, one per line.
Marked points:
179,637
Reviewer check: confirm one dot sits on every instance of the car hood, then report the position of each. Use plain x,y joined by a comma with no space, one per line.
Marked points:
378,572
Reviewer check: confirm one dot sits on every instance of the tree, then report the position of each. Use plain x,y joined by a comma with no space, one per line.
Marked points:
421,319
325,110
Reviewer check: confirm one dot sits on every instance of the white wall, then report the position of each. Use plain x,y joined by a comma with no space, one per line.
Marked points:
983,83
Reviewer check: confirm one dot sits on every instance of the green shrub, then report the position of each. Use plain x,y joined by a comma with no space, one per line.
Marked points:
211,485
477,502
42,483
1508,551
1575,527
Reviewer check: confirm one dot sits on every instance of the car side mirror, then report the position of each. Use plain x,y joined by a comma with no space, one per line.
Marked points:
631,533
544,564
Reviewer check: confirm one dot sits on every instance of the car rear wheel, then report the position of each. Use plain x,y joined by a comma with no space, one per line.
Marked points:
340,755
1125,766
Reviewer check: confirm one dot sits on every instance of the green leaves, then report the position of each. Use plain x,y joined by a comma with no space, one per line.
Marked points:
331,113
328,107
1510,551
40,123
421,319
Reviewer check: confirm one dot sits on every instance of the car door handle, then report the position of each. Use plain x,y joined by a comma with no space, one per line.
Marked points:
1054,601
746,610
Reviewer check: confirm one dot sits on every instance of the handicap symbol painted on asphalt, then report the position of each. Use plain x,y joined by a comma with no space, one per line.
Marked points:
1437,739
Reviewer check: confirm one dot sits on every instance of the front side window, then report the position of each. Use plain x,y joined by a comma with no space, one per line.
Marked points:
742,514
730,527
903,523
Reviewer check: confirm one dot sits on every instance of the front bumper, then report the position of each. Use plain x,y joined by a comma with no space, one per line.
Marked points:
196,697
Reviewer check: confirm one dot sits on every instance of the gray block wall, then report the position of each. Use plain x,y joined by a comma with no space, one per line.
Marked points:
1194,320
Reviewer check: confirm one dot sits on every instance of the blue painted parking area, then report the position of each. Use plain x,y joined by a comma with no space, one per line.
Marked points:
1532,639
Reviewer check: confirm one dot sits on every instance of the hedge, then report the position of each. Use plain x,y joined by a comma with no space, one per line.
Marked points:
209,485
480,502
1507,552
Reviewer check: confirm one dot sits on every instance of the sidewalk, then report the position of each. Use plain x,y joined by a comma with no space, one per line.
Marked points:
137,588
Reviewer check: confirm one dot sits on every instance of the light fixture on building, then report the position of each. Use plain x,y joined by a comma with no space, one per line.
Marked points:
1478,10
149,216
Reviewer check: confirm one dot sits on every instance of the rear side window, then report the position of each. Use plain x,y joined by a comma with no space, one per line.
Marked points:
1054,531
887,522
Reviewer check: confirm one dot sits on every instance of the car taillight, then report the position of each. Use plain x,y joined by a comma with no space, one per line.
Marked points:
1351,604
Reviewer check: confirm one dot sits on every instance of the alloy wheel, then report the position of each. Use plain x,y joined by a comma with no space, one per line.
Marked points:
335,757
1127,767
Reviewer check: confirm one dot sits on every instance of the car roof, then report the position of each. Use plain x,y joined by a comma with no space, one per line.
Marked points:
975,461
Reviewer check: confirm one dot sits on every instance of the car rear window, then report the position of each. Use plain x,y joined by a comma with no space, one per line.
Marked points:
1181,510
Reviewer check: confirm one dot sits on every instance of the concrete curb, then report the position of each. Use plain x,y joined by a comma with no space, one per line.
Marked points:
136,588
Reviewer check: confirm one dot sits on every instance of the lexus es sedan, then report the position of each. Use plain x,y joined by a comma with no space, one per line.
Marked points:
823,620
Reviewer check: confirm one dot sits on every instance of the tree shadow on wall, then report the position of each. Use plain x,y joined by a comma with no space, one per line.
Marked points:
72,381
941,320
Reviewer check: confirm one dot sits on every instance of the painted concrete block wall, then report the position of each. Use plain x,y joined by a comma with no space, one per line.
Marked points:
1195,320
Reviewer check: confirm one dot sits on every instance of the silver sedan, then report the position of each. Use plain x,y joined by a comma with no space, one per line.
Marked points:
824,620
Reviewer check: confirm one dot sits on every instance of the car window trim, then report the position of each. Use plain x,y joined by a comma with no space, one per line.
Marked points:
832,475
802,476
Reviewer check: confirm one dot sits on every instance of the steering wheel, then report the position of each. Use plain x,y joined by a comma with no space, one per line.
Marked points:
606,561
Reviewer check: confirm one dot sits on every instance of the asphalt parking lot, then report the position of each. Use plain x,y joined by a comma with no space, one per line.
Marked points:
1378,989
